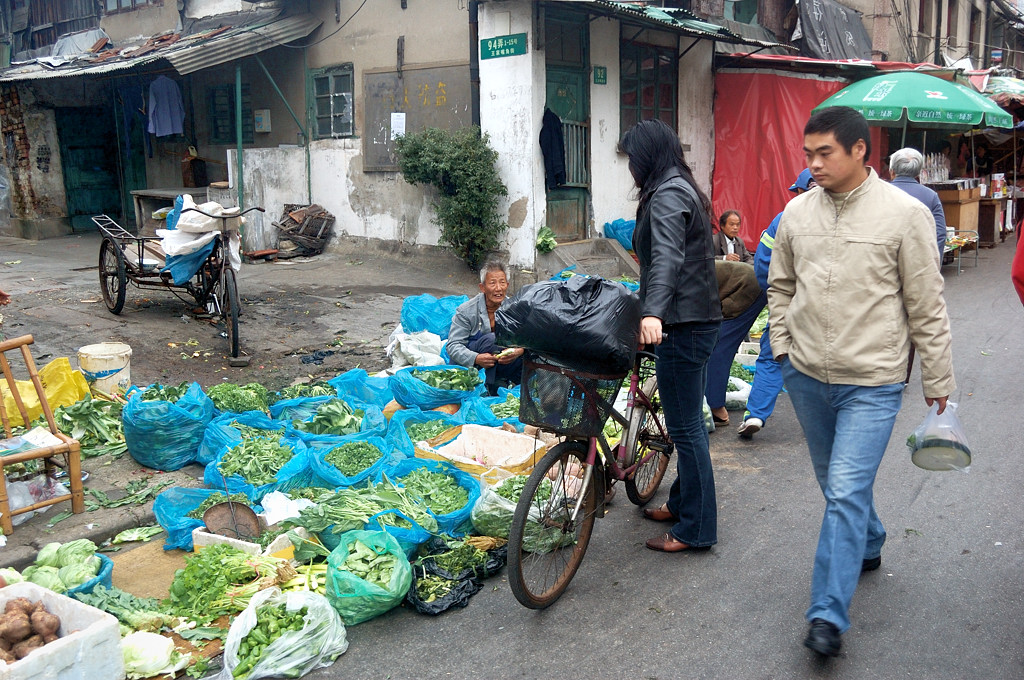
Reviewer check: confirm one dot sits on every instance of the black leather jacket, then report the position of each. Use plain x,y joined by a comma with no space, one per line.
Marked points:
673,242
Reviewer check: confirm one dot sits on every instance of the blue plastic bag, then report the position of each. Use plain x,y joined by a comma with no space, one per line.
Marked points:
305,408
331,477
103,578
358,386
428,313
165,436
220,432
410,391
477,410
400,439
292,475
448,523
184,267
171,508
622,231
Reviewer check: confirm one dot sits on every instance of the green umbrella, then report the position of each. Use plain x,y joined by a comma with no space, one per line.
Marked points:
894,99
1004,90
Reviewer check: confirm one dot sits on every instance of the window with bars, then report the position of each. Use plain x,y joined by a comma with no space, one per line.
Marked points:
113,6
221,101
648,84
331,105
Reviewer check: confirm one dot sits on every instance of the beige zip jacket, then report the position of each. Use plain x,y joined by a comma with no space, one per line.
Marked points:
853,283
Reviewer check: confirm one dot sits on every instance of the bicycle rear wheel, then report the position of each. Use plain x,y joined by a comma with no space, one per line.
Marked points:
547,543
646,425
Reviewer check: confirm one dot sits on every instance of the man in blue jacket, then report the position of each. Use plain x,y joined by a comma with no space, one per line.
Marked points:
767,374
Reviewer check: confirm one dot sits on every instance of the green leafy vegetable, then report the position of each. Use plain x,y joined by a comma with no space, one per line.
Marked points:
76,552
215,498
148,654
95,423
430,587
239,398
440,492
350,508
508,408
220,579
332,417
463,556
353,457
427,430
138,492
450,378
47,556
738,370
546,240
512,488
134,612
143,534
171,393
369,565
317,388
257,461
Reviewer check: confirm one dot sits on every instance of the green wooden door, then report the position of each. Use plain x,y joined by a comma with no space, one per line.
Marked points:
567,205
88,152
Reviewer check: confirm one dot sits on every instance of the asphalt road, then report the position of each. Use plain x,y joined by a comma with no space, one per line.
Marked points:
946,604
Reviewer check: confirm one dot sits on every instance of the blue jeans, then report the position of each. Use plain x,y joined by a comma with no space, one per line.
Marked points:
767,383
682,372
847,429
733,332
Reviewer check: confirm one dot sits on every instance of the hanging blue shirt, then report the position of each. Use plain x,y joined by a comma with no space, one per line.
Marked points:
166,110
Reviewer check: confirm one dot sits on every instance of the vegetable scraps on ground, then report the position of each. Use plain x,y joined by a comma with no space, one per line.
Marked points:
450,378
353,457
143,534
335,417
25,627
239,398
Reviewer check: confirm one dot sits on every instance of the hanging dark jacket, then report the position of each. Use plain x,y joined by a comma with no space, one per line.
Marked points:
552,146
672,240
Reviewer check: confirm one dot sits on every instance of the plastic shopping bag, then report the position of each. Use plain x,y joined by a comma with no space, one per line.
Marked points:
171,509
358,600
939,443
427,313
321,640
62,386
166,436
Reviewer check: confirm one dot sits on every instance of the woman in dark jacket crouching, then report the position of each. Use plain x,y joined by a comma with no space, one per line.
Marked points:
681,315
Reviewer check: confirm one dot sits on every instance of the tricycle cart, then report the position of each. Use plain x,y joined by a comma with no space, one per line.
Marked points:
123,259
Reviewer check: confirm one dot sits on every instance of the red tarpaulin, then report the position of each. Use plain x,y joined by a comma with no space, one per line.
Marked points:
759,123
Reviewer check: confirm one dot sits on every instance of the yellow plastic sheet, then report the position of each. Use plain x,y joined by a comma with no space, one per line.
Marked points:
62,385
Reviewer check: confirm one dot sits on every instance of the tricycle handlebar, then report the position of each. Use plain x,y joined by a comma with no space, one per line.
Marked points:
224,217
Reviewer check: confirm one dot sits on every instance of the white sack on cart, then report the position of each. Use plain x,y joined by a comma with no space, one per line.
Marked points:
175,243
198,223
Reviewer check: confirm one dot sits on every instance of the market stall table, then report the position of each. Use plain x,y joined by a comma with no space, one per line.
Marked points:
961,207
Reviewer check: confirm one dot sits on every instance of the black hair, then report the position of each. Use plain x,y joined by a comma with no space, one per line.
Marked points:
848,126
725,216
653,148
945,145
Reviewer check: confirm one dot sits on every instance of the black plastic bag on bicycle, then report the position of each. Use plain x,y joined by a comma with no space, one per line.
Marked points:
589,324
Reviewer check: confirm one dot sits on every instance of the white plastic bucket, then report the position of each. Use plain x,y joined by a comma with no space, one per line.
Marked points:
107,366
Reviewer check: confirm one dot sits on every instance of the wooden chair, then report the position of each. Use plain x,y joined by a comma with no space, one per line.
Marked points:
65,455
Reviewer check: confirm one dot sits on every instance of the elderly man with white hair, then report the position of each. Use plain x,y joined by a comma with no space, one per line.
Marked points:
905,167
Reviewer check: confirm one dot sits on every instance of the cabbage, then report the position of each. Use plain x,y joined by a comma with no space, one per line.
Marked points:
47,556
75,552
28,571
47,577
75,574
11,575
148,654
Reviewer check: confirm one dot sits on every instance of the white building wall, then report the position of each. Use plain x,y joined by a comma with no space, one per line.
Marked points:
512,92
696,110
611,184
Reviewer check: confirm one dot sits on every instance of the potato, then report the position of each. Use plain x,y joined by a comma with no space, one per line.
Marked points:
5,645
25,647
15,627
19,604
47,639
45,623
6,656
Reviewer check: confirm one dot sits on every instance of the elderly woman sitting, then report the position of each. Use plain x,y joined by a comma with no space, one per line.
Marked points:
471,338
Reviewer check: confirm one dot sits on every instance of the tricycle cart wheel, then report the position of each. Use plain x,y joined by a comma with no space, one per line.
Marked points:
113,279
230,308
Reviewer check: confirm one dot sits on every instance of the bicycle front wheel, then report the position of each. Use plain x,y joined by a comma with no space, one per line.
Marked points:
552,525
646,436
230,308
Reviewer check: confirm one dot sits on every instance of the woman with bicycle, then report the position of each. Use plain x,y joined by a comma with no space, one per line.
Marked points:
681,314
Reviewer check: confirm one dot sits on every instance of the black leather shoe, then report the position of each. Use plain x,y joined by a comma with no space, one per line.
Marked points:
823,638
871,564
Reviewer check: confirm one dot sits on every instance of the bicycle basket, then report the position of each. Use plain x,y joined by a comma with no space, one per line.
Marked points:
571,403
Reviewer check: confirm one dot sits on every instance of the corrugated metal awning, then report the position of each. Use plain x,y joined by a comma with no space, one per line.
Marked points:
675,20
187,55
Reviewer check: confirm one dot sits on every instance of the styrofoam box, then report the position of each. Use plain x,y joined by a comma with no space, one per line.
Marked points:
89,647
202,538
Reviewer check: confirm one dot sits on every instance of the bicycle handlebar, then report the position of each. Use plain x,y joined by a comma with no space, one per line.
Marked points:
224,217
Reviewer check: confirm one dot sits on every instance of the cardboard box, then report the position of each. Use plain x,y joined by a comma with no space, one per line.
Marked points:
91,652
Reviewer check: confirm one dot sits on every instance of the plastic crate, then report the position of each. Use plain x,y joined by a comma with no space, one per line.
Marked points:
478,450
571,403
91,652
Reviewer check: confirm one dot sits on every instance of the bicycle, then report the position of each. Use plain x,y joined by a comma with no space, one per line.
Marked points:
554,518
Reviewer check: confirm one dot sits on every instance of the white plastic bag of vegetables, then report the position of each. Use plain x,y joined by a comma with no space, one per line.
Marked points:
314,643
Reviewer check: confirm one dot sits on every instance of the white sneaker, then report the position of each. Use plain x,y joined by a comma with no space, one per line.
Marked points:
750,426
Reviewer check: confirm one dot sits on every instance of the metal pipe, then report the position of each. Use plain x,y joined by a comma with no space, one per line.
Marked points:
238,136
298,123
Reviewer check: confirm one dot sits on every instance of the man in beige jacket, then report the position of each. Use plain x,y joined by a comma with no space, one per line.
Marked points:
853,281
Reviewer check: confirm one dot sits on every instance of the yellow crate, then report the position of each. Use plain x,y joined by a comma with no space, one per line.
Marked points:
520,462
